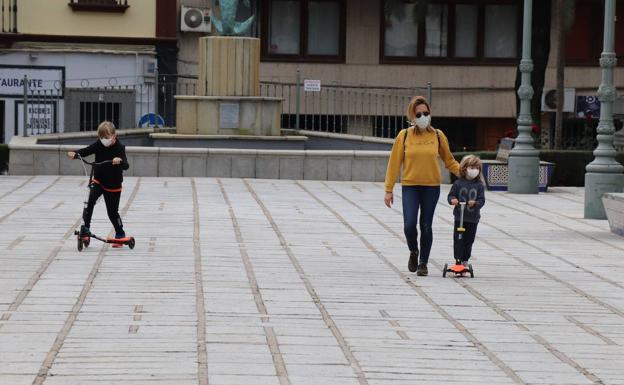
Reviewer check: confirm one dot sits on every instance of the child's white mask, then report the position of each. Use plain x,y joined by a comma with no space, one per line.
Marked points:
472,173
106,142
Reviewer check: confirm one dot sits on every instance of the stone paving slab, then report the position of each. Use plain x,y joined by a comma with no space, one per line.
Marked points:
257,282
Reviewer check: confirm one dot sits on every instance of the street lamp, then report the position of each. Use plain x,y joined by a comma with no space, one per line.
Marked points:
604,173
523,159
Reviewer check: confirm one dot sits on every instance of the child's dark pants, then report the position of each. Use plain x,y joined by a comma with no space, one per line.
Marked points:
112,206
463,247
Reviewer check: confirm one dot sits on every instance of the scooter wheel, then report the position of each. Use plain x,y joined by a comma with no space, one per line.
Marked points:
79,244
131,243
444,270
471,271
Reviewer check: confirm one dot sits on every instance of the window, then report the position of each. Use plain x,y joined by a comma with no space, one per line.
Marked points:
93,113
500,33
303,30
460,30
401,38
436,35
118,6
284,30
324,28
585,37
466,30
584,41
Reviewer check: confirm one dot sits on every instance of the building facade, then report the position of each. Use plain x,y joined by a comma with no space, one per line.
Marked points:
469,51
84,61
96,58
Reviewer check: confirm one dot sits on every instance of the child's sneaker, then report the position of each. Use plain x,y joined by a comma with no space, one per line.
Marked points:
84,232
119,236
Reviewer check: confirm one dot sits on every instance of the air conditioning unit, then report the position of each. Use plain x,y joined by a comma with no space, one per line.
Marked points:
549,99
193,19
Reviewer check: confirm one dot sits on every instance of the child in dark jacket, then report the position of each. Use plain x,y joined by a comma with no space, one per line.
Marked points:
106,179
467,188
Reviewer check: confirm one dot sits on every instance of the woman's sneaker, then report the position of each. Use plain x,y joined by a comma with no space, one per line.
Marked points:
422,270
413,261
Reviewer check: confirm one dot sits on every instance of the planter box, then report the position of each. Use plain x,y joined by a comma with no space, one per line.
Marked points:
496,174
614,207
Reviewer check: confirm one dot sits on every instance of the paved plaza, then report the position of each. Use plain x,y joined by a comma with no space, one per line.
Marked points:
261,282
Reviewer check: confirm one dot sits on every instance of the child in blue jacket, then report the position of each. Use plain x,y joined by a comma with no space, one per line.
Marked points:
467,188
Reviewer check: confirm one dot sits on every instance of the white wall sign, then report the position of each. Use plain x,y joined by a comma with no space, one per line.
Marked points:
311,85
39,79
41,118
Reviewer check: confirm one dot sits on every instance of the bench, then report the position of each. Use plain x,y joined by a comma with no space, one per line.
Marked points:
496,172
614,207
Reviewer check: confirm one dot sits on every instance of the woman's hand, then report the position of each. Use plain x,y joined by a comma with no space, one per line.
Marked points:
117,160
71,155
389,199
454,202
472,204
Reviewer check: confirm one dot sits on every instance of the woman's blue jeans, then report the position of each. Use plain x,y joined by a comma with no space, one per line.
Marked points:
423,199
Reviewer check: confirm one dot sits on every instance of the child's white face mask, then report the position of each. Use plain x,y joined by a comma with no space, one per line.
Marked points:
472,173
106,142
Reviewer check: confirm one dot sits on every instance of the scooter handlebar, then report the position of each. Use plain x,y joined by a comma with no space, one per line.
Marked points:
92,163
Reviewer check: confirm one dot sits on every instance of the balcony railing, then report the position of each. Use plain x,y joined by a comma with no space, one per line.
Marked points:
118,6
8,9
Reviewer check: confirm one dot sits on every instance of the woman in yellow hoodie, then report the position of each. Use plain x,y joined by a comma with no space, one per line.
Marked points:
417,149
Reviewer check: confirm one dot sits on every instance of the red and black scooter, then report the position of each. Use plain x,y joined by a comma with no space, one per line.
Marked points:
85,239
458,268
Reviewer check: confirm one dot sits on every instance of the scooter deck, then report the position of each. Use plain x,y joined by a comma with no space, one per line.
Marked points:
458,269
118,240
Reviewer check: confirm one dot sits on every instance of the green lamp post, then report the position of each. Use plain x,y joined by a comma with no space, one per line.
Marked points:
604,173
523,159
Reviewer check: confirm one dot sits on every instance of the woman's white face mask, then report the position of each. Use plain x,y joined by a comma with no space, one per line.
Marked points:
107,142
472,173
422,120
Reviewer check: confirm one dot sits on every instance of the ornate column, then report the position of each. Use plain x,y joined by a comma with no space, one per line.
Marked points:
523,159
604,173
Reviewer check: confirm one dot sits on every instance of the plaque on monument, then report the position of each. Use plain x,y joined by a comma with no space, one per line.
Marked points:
229,115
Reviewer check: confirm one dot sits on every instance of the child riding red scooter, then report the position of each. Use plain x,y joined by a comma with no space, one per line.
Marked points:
105,179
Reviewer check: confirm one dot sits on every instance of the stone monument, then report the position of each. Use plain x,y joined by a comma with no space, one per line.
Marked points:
228,100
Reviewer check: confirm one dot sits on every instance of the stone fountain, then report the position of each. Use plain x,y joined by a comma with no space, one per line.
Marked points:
228,100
